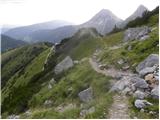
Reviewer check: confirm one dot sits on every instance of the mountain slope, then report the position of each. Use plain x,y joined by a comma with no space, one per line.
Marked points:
24,32
10,43
100,63
104,21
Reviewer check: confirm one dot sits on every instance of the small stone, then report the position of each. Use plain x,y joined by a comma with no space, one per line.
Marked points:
48,103
142,110
49,86
138,94
142,103
121,61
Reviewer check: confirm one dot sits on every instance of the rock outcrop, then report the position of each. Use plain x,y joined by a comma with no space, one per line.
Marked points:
150,61
138,33
64,65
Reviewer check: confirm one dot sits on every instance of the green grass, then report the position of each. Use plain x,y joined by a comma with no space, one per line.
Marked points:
86,48
78,78
113,39
140,50
20,87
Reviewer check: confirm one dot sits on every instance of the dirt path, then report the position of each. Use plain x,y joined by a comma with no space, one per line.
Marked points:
119,108
108,72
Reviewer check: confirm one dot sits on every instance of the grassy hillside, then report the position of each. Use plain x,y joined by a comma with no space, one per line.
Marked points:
10,43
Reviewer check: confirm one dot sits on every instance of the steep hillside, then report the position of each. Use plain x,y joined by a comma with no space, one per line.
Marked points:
10,43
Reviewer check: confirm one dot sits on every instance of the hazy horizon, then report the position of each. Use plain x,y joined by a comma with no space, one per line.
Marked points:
26,12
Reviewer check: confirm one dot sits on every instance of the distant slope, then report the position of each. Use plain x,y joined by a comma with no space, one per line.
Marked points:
10,43
24,32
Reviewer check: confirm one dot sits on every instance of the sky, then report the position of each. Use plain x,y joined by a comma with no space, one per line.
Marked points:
25,12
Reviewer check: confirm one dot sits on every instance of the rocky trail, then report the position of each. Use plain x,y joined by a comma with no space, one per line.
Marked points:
108,72
119,108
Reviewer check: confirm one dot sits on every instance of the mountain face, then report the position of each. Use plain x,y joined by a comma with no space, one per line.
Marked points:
138,13
10,43
24,32
104,21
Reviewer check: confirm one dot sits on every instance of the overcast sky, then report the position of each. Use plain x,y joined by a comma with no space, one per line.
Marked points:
24,12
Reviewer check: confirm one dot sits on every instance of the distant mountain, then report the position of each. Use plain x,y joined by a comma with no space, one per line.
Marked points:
138,13
25,31
5,28
54,36
10,43
104,21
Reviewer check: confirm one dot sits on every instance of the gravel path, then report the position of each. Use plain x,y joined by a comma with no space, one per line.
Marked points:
119,108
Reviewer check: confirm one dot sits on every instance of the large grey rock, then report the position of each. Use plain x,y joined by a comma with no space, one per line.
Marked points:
139,95
150,61
136,33
139,82
120,85
155,92
86,95
147,70
64,65
141,103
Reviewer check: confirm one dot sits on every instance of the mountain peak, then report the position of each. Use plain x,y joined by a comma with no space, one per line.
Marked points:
141,9
104,21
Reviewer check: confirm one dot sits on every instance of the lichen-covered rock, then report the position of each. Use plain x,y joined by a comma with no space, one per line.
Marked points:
86,95
150,61
138,33
64,65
